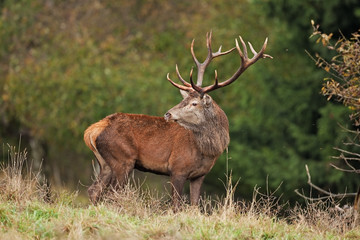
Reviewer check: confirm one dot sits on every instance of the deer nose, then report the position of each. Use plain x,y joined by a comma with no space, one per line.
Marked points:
167,116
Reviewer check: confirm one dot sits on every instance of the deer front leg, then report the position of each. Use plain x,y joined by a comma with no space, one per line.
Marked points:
195,187
177,183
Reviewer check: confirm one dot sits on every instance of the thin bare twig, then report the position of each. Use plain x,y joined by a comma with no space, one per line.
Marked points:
347,158
352,170
347,152
321,190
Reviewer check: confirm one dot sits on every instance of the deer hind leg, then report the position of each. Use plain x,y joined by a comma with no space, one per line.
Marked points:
103,179
120,155
121,170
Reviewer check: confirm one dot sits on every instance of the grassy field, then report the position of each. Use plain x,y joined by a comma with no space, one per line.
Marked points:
29,211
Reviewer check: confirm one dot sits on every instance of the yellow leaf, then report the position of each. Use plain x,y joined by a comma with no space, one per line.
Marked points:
352,108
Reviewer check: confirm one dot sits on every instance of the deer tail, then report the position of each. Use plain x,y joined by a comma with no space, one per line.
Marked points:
92,132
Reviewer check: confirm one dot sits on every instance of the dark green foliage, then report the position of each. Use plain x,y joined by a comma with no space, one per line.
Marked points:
331,15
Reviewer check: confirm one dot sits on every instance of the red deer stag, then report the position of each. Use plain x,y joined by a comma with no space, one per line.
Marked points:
183,145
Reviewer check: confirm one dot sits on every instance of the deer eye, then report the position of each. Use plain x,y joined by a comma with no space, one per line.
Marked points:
194,104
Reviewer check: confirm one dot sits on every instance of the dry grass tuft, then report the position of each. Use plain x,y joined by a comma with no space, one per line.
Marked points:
17,180
325,216
135,200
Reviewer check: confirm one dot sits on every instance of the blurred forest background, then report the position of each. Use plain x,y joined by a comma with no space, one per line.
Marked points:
67,64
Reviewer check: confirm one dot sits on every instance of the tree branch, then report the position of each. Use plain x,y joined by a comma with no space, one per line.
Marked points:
352,170
347,152
321,190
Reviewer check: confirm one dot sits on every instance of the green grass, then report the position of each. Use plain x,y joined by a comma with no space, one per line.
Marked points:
26,213
38,220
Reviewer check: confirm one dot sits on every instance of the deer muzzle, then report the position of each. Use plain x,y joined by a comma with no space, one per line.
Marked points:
167,116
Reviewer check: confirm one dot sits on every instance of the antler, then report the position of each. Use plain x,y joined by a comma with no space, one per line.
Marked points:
245,63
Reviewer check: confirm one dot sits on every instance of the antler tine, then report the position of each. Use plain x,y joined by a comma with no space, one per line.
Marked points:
191,79
219,53
180,77
193,53
261,52
245,54
212,55
216,79
252,49
208,41
238,48
181,87
195,87
202,91
191,71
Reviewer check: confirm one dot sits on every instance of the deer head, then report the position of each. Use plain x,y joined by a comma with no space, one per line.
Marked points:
192,111
197,106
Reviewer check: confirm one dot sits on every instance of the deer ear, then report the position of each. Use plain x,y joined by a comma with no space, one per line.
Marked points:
207,100
184,94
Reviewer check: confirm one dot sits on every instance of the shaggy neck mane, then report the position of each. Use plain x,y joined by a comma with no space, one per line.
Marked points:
212,137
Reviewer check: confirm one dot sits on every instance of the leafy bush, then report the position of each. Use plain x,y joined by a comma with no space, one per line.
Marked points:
344,67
